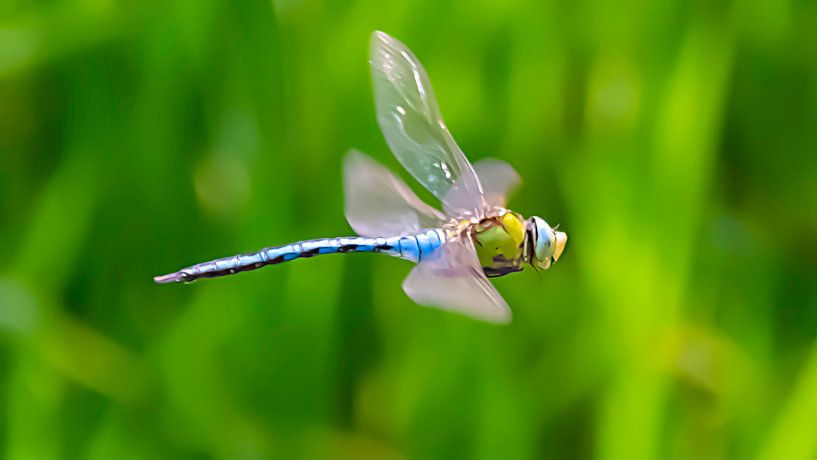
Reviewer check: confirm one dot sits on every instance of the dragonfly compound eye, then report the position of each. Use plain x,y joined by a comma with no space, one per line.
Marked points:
545,243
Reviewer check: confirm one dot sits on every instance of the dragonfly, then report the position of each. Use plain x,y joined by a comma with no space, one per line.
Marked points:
456,250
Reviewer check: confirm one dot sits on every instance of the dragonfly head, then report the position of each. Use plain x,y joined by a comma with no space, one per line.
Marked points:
544,245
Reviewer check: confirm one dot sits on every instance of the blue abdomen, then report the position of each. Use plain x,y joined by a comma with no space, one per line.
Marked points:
410,247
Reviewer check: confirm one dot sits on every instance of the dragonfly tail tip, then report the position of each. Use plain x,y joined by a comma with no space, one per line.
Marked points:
169,278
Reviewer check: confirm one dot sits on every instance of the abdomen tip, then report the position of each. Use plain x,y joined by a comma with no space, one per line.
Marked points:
169,278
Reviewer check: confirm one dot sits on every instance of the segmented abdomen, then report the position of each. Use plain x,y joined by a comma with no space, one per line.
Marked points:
410,247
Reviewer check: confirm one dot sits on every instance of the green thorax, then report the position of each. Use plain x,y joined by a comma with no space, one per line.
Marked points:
499,238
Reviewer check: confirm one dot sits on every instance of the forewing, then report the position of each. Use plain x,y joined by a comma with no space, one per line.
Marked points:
454,280
499,180
414,129
380,204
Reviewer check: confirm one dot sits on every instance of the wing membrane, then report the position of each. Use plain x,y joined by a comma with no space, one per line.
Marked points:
499,180
414,129
454,281
380,204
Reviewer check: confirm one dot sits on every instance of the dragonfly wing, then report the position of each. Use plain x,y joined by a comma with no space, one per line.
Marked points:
454,280
499,180
379,203
414,129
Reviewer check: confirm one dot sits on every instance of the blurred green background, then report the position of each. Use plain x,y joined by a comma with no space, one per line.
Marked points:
675,141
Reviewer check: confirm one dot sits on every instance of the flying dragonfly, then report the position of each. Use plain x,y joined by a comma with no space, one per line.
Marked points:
455,251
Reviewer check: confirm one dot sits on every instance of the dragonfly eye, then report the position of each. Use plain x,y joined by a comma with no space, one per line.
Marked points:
530,242
545,242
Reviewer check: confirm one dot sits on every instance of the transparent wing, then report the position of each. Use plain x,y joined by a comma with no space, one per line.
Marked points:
380,204
499,180
414,129
454,281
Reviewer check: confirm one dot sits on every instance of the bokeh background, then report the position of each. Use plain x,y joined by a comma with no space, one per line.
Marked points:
675,141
